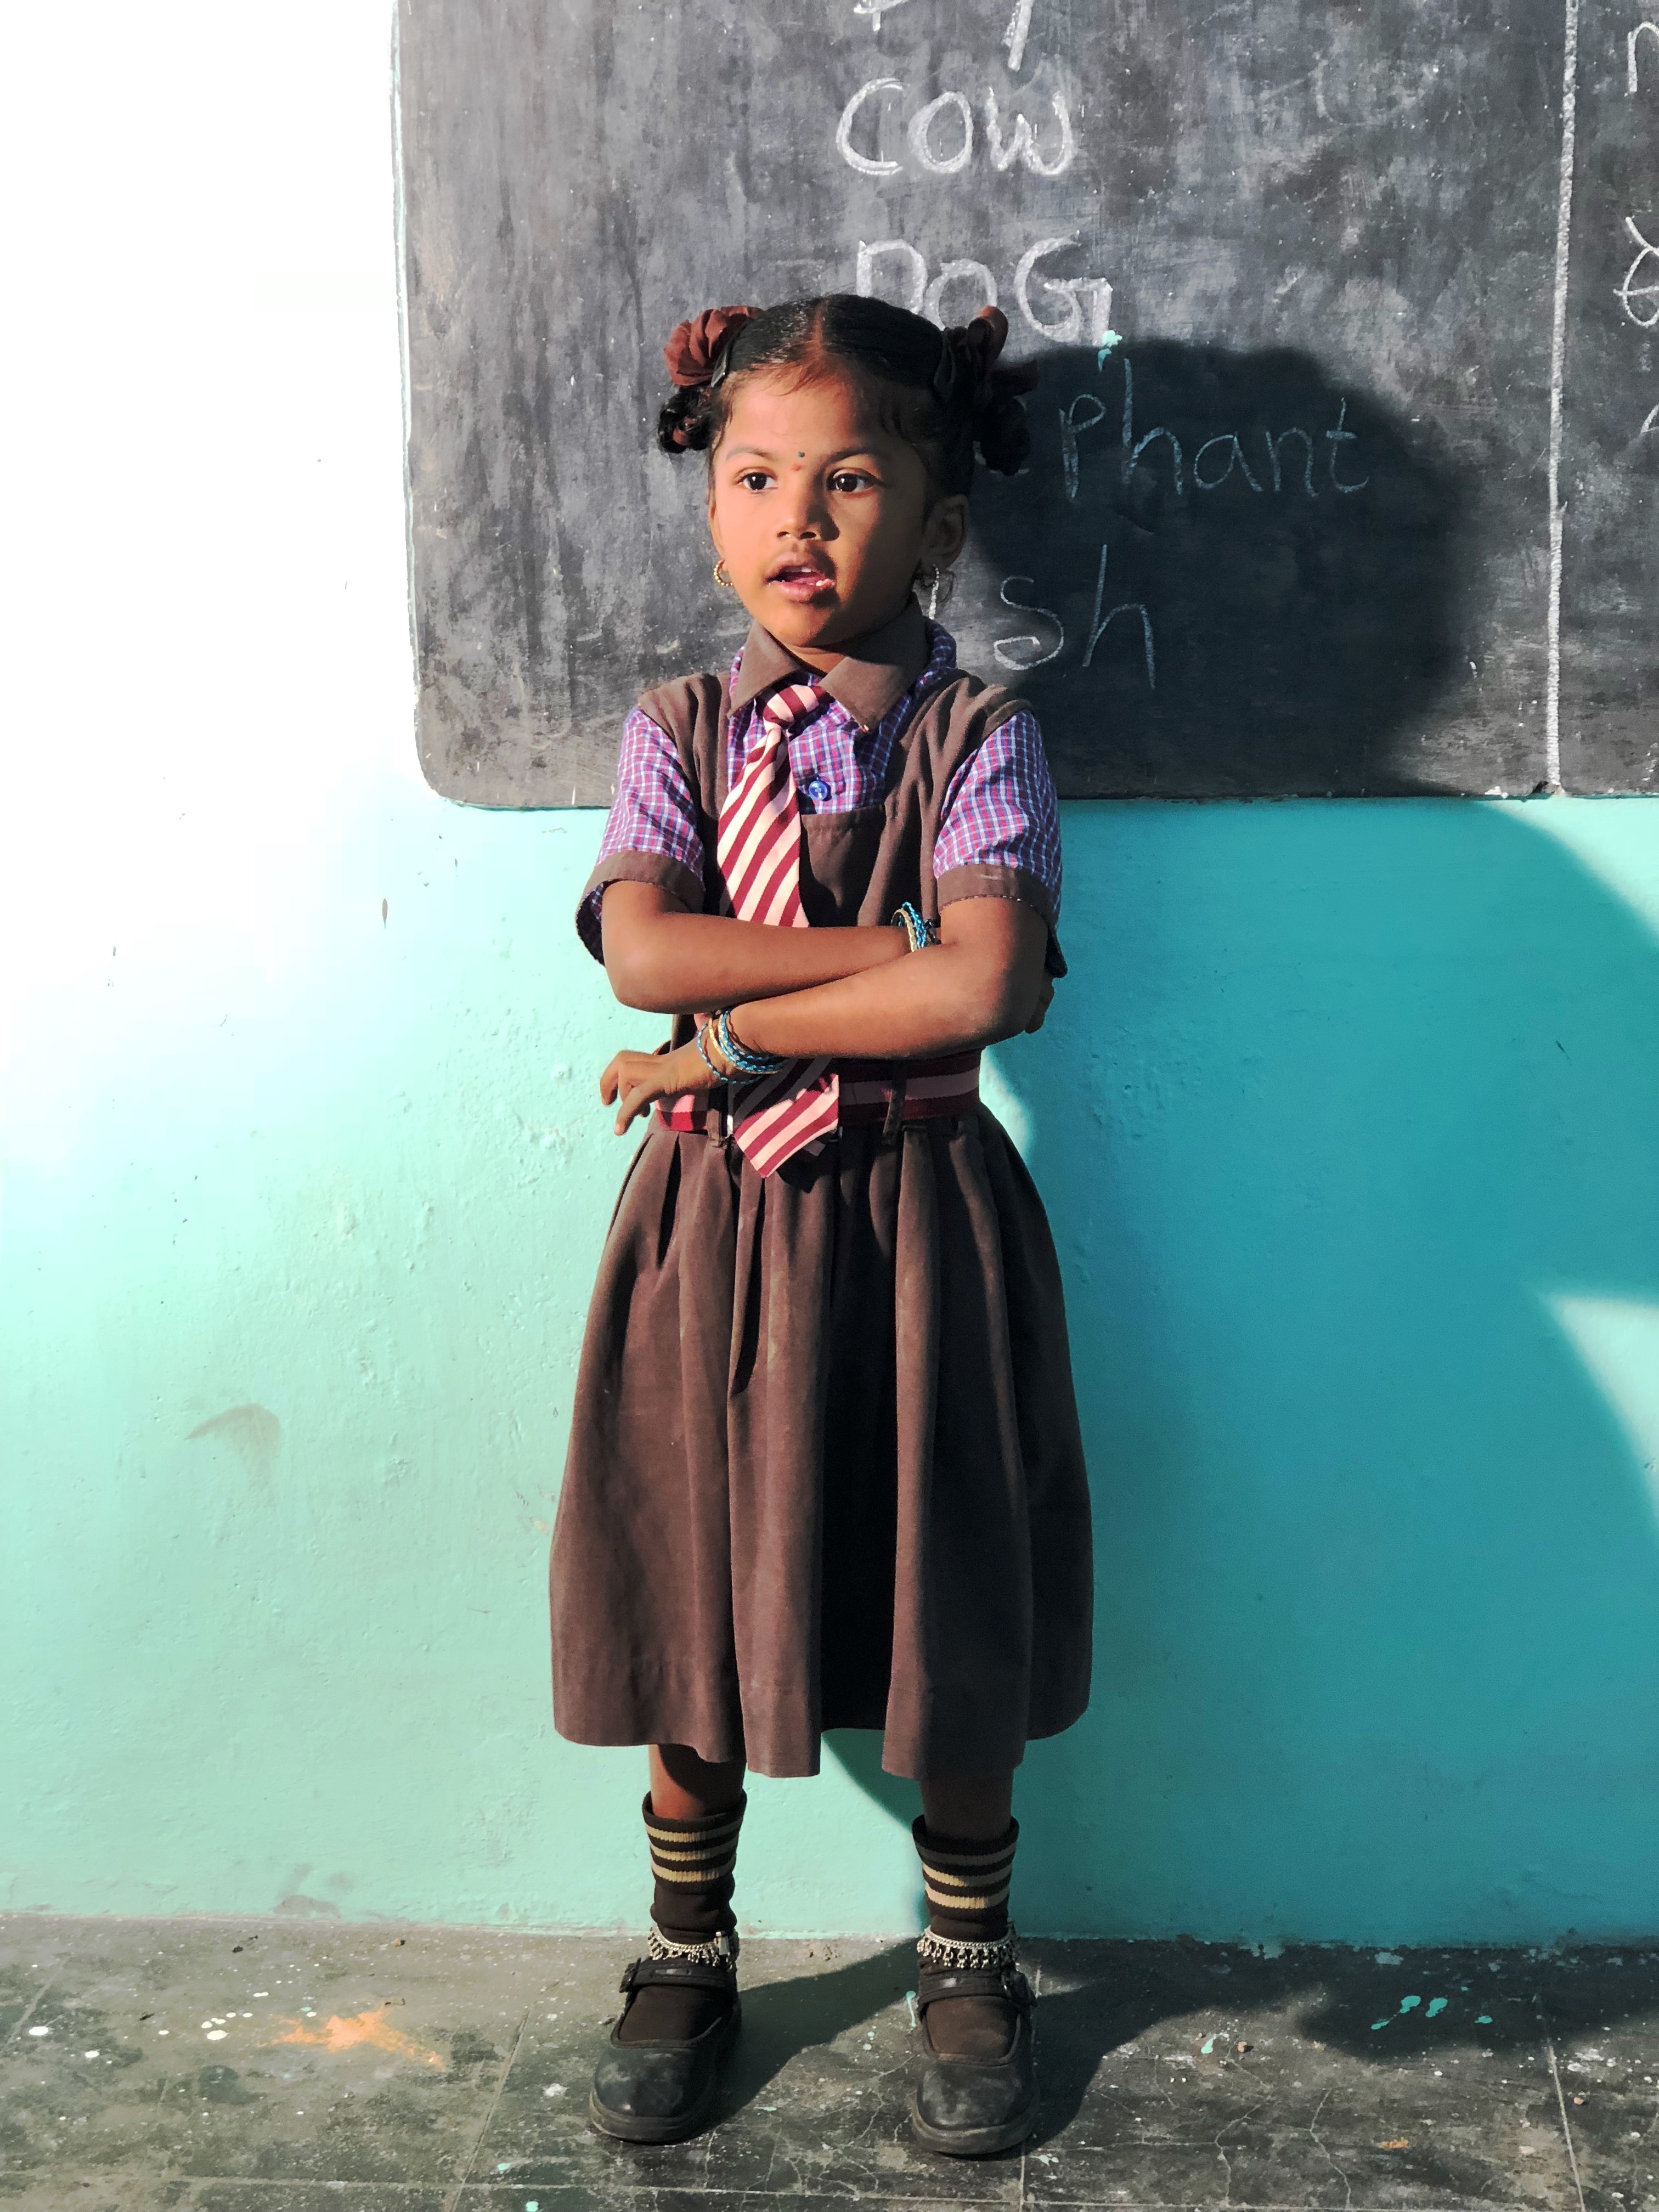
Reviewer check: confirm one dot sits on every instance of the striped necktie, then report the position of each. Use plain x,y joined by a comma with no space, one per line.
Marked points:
758,848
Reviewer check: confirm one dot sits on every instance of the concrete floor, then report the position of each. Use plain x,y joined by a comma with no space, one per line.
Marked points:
317,2066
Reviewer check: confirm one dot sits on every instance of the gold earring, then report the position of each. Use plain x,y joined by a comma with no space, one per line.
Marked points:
723,574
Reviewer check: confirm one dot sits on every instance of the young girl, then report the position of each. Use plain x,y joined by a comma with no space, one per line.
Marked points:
824,1470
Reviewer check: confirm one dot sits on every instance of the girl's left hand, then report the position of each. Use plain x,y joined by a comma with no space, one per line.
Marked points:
636,1081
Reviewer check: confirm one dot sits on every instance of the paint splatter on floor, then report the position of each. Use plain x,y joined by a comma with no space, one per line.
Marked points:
363,2027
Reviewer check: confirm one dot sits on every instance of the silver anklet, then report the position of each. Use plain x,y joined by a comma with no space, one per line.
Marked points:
722,1951
944,1955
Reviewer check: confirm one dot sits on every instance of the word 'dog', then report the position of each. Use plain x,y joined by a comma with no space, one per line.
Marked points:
1069,310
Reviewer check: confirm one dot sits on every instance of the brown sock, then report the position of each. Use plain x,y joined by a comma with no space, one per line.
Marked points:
967,1884
692,1864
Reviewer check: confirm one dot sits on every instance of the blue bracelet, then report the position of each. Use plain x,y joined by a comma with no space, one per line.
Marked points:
744,1058
916,924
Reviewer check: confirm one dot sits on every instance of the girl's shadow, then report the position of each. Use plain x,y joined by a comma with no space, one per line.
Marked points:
1077,2027
782,2019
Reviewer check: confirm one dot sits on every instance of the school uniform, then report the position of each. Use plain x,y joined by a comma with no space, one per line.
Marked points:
824,1467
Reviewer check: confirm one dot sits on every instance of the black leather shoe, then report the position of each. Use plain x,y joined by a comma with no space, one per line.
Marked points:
659,2092
969,2107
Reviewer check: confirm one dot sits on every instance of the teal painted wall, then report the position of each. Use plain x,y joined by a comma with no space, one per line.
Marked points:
1348,1119
1347,1123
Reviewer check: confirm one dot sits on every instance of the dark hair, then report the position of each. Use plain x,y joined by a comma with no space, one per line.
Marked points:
939,390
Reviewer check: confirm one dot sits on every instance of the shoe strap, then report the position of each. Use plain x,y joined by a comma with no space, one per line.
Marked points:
677,1973
1010,1985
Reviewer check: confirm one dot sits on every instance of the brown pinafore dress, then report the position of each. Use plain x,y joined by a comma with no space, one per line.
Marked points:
824,1466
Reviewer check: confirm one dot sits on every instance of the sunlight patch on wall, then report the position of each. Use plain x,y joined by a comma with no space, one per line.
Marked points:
1615,843
1006,1103
1617,1340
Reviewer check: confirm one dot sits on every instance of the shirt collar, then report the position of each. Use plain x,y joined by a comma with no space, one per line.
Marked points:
877,670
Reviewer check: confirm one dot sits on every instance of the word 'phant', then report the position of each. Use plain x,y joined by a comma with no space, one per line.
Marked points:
1088,410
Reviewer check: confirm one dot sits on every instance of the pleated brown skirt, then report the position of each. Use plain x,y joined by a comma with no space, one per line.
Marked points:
824,1466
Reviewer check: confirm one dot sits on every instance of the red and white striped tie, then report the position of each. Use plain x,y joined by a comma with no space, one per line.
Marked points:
758,848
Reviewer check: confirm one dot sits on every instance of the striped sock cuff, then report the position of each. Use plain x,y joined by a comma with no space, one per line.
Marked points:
966,1880
690,1855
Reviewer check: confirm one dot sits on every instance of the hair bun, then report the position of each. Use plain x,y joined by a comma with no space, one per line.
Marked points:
983,339
991,394
968,357
695,346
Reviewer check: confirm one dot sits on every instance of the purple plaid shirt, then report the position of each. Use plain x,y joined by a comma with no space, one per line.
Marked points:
1001,807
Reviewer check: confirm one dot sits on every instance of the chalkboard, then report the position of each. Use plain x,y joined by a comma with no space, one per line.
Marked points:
1344,446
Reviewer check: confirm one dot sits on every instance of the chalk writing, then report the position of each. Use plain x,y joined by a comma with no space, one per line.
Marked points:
1102,624
922,124
915,280
1133,448
1022,145
1646,316
864,163
1087,301
945,151
1087,411
1228,440
1070,424
1342,435
1032,655
1273,447
875,9
1631,46
942,136
959,272
1019,30
1077,307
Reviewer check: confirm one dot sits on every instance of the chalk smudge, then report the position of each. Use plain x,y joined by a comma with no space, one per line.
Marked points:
371,2028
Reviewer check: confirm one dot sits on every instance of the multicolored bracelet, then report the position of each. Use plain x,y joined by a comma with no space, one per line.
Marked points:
916,924
744,1058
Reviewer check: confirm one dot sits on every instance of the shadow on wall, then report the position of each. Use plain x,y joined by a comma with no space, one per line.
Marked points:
1221,574
1351,1105
1339,1112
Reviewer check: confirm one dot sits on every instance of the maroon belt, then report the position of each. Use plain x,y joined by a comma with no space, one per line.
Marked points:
891,1092
885,1091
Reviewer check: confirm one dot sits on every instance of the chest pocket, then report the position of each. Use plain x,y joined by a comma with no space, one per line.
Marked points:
838,858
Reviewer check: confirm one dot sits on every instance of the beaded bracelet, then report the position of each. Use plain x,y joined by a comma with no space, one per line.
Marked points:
744,1058
916,924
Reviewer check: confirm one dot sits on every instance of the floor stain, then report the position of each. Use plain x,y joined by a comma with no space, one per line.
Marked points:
372,2028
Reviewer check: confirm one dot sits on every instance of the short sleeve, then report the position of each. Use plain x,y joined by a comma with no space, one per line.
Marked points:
653,815
1001,809
998,835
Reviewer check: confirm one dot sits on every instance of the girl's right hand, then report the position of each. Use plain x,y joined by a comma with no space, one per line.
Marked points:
635,1081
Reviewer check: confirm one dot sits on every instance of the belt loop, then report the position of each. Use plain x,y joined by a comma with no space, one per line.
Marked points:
895,1118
